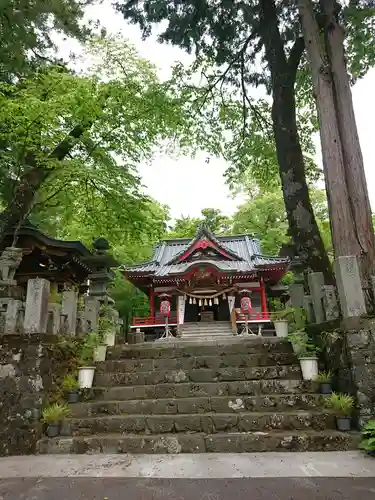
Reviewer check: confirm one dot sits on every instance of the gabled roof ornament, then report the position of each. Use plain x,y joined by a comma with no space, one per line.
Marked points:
204,238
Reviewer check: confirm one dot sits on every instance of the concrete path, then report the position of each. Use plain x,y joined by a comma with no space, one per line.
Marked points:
206,465
267,476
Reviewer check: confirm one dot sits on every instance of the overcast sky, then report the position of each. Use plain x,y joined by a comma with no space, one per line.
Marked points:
188,185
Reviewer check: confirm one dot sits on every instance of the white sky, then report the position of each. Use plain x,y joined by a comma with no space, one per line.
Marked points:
188,185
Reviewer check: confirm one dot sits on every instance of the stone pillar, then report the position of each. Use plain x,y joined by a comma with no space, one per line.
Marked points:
349,286
297,293
331,306
316,283
69,308
308,307
92,308
36,312
55,312
12,316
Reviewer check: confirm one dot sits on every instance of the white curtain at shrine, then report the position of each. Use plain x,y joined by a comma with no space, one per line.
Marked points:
231,301
181,309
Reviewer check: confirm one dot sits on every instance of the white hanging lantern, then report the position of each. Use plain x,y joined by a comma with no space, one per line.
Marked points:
216,301
190,300
210,302
224,296
194,300
205,302
200,302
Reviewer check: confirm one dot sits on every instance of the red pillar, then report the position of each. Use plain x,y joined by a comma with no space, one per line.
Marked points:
263,298
152,303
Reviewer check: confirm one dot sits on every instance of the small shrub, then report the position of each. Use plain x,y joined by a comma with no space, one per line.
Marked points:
86,354
70,382
368,435
324,377
340,404
55,413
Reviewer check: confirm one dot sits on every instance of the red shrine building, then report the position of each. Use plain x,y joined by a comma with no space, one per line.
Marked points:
204,279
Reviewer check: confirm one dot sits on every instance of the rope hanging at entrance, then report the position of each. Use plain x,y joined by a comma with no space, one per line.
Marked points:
204,300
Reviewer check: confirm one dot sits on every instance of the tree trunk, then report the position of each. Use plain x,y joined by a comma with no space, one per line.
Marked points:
21,202
35,174
351,148
344,238
302,223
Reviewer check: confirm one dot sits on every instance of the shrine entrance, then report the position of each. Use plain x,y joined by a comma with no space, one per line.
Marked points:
195,313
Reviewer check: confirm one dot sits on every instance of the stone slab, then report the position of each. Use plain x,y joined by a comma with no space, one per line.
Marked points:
197,362
349,286
202,375
237,345
202,404
36,312
188,390
202,422
316,283
199,443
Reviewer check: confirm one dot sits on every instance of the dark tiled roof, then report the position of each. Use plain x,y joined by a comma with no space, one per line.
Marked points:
244,249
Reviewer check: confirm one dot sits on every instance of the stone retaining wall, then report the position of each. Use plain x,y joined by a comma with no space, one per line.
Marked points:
29,369
348,350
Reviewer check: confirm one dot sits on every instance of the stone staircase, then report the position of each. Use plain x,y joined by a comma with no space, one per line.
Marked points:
245,395
202,331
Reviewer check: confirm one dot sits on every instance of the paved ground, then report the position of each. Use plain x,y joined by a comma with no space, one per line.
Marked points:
205,465
188,489
267,476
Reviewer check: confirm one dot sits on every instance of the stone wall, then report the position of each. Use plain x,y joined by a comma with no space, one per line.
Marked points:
31,368
348,351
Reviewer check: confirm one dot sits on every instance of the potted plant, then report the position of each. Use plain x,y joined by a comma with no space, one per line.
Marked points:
100,350
368,434
341,406
280,318
71,388
324,379
107,326
86,370
308,358
53,416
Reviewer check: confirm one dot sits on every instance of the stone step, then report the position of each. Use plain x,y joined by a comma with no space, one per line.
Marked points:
208,423
178,349
201,375
209,389
218,404
242,442
196,362
206,324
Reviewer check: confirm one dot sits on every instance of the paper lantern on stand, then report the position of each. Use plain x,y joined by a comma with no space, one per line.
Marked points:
165,308
246,305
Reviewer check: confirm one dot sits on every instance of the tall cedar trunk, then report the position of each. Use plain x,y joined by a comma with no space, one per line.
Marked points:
341,217
351,148
302,223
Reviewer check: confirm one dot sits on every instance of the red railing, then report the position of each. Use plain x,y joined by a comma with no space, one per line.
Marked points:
253,316
152,320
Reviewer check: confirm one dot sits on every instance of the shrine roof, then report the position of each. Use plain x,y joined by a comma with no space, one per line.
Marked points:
241,253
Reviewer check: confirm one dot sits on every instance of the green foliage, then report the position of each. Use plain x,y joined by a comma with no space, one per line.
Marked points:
324,377
86,352
212,218
25,32
340,404
56,413
70,382
368,435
